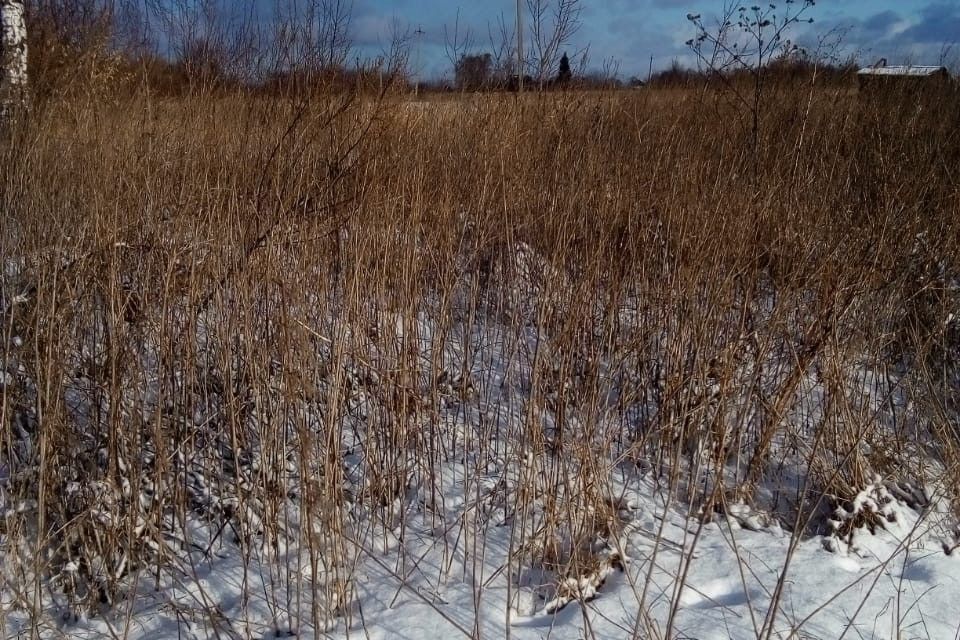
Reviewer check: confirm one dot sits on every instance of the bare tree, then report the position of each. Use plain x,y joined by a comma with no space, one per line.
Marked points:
14,54
744,40
501,40
310,42
553,23
474,72
195,33
334,40
316,33
456,43
394,57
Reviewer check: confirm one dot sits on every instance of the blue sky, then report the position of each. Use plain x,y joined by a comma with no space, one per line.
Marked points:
631,31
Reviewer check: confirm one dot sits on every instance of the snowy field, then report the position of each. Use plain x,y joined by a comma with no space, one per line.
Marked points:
490,534
428,581
575,365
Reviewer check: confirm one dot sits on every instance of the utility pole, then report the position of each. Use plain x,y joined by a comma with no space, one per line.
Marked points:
416,63
519,47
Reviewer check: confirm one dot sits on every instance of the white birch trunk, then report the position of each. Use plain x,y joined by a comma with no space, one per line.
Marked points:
13,48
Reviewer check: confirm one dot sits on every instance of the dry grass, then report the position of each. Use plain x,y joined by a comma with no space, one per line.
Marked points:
217,308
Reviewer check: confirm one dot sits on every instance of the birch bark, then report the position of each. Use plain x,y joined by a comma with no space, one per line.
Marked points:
13,53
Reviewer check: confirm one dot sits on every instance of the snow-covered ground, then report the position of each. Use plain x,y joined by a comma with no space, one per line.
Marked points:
489,532
898,583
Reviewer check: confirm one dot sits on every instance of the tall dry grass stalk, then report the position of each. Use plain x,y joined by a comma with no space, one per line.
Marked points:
284,319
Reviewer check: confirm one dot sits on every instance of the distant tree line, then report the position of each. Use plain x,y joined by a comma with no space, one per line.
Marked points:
78,44
173,48
478,72
494,72
782,70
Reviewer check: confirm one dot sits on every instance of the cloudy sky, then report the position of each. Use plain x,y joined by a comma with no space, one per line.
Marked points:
632,31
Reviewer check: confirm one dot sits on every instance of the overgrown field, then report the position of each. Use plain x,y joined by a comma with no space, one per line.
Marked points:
328,342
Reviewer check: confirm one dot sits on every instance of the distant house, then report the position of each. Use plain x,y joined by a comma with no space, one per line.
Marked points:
881,75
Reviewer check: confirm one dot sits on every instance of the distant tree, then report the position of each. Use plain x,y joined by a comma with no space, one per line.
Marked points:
203,62
474,72
597,80
677,75
564,74
551,26
456,42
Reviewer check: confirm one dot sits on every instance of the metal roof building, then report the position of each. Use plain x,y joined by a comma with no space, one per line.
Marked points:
881,78
907,71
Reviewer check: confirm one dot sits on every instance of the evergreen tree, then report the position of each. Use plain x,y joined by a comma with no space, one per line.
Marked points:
564,74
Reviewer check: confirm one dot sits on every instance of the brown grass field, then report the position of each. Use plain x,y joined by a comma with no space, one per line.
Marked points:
264,290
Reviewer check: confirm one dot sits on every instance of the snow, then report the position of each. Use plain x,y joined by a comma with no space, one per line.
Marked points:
898,581
434,562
